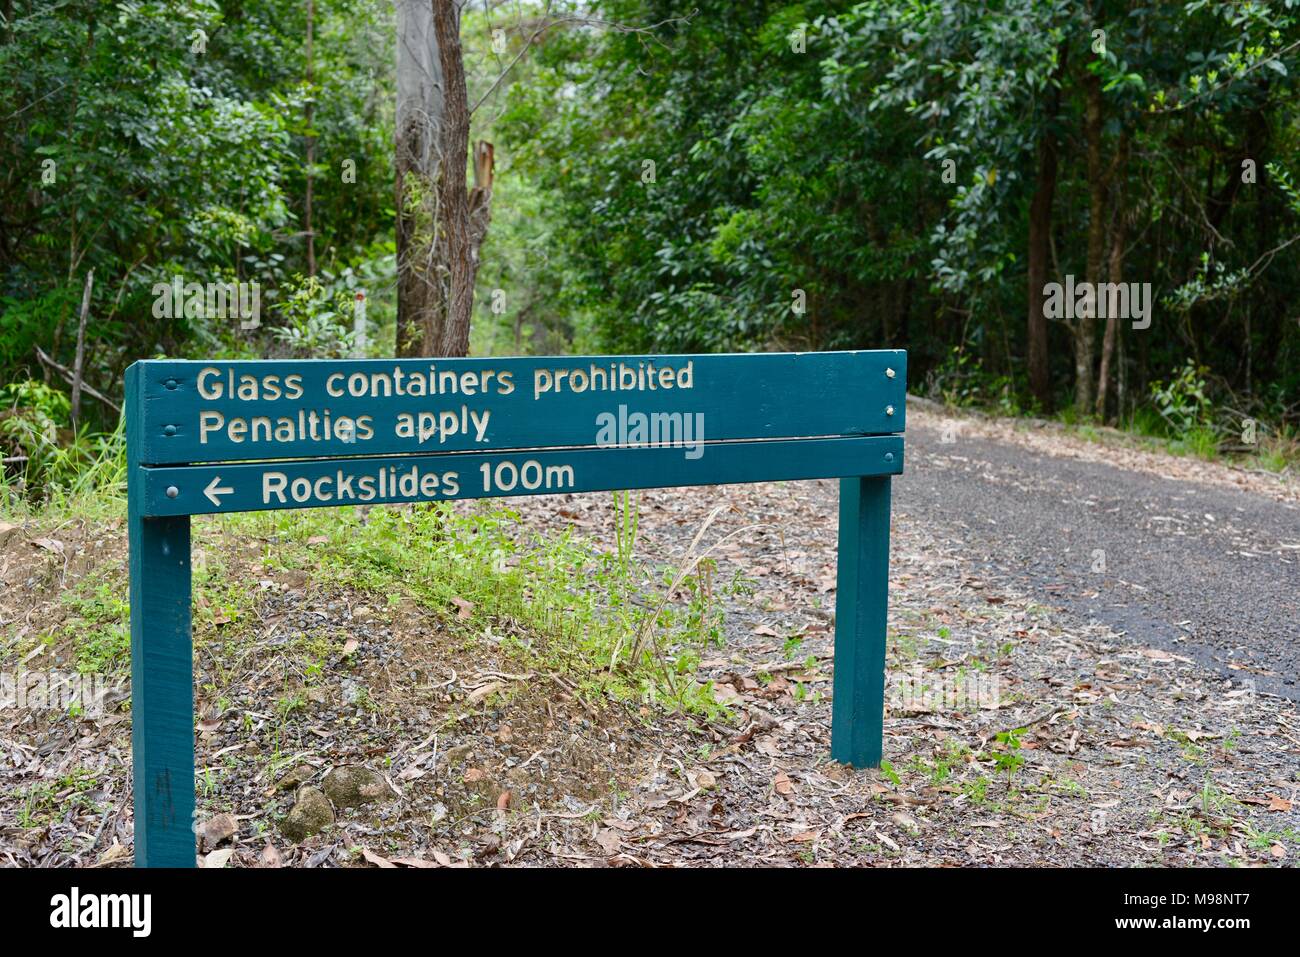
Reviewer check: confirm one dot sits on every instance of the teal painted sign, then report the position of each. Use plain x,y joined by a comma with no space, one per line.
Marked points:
206,437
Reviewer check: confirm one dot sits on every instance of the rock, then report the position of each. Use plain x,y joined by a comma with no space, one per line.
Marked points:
218,829
295,778
311,813
351,786
457,754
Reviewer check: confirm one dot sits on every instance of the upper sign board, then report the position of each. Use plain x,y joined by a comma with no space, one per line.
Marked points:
219,411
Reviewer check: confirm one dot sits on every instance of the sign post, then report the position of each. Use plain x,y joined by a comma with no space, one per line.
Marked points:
162,668
231,436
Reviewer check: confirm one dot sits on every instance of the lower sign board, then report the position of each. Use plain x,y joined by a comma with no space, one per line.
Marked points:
249,487
212,437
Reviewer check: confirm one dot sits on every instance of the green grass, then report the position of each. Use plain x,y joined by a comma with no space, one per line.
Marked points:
47,801
88,483
99,627
580,607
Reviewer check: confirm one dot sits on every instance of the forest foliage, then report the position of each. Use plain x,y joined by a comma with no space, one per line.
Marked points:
702,176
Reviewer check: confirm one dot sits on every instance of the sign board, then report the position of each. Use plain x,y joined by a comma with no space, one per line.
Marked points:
229,436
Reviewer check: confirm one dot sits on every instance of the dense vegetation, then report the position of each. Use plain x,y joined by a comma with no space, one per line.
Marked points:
829,175
712,175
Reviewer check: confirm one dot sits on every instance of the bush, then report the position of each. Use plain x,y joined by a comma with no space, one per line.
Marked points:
43,456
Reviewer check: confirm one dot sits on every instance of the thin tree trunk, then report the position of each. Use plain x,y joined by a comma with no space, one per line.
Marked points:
1083,326
79,364
466,212
451,338
309,109
1115,268
1040,238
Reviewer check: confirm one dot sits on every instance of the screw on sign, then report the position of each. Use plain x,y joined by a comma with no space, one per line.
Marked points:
232,436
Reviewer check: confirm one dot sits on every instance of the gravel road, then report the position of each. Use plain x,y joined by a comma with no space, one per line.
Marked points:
1208,573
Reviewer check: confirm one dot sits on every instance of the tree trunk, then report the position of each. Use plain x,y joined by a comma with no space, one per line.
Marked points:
418,119
1083,325
308,111
441,222
1040,237
1115,268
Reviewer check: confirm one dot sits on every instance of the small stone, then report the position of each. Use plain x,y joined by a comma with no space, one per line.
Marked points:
456,754
297,777
351,786
218,829
311,814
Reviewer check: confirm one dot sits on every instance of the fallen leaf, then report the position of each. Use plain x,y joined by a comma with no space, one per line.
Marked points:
1276,803
375,859
417,862
412,773
219,858
609,840
726,695
621,825
463,608
783,785
350,646
271,857
114,854
478,694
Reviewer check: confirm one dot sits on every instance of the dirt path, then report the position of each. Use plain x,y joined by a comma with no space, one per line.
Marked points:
1206,570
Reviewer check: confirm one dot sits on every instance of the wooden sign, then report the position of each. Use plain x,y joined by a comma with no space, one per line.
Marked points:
206,437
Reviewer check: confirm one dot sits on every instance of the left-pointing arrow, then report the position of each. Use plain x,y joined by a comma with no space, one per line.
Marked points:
215,488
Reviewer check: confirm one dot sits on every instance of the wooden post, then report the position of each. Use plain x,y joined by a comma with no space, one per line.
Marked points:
162,670
862,591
